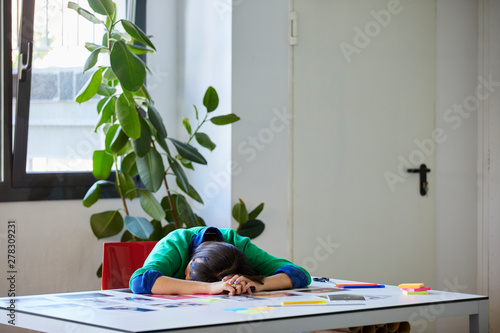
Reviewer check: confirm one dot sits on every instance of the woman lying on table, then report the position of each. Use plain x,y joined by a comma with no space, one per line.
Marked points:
207,260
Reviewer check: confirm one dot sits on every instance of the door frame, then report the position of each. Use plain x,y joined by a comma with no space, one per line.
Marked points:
488,155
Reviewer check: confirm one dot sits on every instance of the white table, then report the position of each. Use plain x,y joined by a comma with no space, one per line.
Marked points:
91,311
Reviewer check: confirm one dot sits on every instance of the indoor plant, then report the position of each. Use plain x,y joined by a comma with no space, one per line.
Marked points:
139,156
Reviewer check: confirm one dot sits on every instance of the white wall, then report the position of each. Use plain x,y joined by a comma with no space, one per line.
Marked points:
260,142
204,59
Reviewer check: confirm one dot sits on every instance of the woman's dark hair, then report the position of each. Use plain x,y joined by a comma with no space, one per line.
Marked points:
212,261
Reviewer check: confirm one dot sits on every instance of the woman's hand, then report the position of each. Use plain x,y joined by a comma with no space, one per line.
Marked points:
274,282
225,285
242,283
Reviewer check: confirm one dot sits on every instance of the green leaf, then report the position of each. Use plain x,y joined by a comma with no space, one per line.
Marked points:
185,213
127,116
106,111
151,170
119,140
254,213
92,59
168,229
143,144
211,99
128,68
192,192
225,119
94,193
187,125
106,224
157,121
103,7
84,13
165,204
111,19
99,272
102,163
139,226
129,165
90,88
150,205
201,222
139,49
188,152
185,163
251,229
240,212
110,134
196,110
163,144
105,90
204,141
137,33
158,232
179,173
92,46
126,186
108,75
127,237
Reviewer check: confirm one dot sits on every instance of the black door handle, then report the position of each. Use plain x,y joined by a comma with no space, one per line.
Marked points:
423,170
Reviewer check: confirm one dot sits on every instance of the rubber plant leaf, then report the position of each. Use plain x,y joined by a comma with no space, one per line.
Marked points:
127,116
106,224
150,205
128,68
139,226
102,162
151,170
251,228
90,88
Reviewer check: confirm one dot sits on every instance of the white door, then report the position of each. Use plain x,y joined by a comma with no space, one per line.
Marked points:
364,108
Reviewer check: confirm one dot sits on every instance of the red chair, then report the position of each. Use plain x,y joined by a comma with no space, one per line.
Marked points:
120,260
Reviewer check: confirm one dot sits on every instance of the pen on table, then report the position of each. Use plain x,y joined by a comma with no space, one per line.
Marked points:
352,286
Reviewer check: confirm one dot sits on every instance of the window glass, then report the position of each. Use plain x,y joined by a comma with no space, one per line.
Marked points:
61,134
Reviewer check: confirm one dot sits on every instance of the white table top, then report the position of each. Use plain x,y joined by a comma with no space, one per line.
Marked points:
120,310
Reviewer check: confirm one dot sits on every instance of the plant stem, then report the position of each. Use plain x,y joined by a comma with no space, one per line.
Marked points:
120,187
197,128
169,195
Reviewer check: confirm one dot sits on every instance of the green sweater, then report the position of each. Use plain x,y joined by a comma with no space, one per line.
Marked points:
172,254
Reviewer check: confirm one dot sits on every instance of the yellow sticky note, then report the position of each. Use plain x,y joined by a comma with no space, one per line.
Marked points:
411,285
263,308
406,292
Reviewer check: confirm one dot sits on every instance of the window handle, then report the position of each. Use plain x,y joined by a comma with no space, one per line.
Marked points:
25,62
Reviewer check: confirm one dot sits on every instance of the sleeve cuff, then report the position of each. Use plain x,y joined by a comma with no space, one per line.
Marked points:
142,284
299,278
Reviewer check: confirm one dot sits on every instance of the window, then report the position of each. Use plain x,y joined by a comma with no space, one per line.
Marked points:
47,139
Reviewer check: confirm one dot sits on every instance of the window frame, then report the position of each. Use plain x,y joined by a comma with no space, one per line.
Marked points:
15,183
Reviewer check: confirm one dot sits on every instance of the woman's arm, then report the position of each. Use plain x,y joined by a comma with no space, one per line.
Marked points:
276,282
172,286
